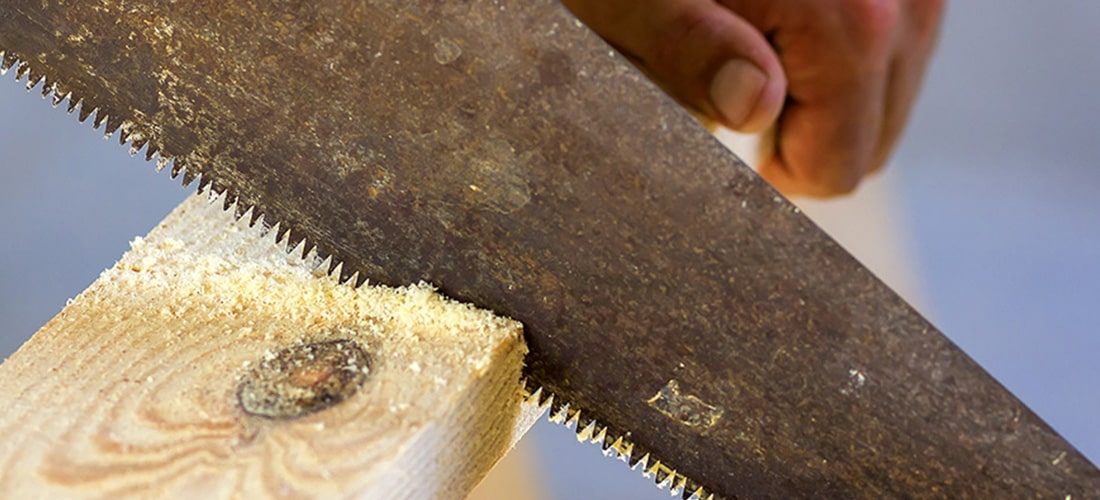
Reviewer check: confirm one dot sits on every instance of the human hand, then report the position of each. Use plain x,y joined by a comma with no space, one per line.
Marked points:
836,78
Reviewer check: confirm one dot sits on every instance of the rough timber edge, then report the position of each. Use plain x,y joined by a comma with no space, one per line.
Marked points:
323,263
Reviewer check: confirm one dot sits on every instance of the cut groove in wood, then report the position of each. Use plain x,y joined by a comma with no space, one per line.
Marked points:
131,389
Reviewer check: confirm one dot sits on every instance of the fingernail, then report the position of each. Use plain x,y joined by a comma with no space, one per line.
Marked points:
735,91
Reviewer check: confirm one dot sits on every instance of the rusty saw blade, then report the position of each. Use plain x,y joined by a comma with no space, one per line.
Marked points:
501,151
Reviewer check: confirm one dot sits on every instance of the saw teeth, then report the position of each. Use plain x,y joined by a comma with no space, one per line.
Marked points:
337,271
297,243
129,132
137,138
311,251
323,268
557,416
601,436
138,141
585,434
533,398
189,176
113,124
255,216
162,162
278,236
237,215
204,184
85,111
32,80
544,398
58,97
609,442
100,117
54,91
659,473
6,62
230,201
296,246
679,486
151,151
177,167
335,268
283,234
21,70
315,265
572,419
613,445
617,449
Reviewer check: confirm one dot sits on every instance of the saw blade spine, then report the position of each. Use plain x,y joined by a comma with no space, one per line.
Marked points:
591,431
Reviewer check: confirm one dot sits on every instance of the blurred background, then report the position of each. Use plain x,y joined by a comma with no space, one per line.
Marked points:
988,220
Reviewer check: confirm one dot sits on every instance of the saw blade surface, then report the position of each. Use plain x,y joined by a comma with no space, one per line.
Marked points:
502,152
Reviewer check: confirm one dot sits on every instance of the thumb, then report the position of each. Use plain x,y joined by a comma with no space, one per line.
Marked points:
699,51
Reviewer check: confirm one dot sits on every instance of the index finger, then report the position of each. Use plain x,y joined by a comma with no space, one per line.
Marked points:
836,57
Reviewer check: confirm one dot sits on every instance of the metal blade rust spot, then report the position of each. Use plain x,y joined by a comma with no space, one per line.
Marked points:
684,408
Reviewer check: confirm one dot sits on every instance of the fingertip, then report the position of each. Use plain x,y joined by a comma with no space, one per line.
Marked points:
736,89
702,52
769,106
746,96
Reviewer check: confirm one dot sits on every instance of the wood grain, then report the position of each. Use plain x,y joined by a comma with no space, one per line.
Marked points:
131,389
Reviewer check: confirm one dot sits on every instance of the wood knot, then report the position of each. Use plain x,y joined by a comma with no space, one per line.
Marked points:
303,379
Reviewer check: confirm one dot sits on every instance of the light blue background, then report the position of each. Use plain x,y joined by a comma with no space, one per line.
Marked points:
1000,187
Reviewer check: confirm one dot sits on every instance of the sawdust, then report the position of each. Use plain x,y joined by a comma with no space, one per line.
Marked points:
243,269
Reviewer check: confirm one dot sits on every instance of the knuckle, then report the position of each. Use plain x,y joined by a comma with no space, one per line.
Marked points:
927,15
873,23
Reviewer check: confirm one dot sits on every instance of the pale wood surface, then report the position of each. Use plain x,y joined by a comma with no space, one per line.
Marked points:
131,390
518,476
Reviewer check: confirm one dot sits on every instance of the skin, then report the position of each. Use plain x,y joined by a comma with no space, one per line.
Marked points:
835,79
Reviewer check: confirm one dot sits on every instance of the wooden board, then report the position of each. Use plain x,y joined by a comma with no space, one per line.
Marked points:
135,389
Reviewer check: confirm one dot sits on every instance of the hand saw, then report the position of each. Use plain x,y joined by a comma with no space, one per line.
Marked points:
681,310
